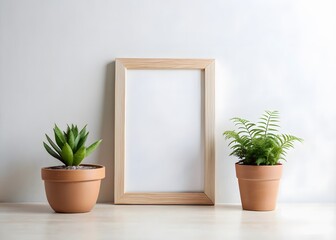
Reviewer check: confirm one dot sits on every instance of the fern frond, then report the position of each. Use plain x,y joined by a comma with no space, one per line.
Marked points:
230,134
268,122
260,143
244,125
287,142
239,143
256,132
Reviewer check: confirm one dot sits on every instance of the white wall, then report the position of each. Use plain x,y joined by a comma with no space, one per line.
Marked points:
56,65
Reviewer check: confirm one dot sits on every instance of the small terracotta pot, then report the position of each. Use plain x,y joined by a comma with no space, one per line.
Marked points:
258,186
73,191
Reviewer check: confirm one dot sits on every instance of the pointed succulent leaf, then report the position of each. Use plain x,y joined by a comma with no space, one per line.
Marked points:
65,135
57,149
75,131
92,147
76,143
82,140
79,156
52,152
68,130
67,154
60,138
83,131
71,140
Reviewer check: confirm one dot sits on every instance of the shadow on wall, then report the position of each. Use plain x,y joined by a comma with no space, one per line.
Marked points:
106,153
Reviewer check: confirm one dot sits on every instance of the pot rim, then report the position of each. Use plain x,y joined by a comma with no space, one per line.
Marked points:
51,168
255,172
73,175
247,165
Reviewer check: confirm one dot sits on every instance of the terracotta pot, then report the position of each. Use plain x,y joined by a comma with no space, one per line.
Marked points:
73,191
258,186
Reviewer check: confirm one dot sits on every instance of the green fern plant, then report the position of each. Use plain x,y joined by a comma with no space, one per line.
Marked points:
260,143
70,145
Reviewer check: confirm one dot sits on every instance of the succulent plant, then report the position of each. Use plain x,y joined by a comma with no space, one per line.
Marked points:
70,145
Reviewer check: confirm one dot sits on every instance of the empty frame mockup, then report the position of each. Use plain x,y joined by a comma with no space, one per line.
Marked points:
164,131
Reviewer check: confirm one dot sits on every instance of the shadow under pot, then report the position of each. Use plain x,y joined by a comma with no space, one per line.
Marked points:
73,190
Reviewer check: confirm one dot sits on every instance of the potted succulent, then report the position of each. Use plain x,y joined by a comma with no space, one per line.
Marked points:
72,187
259,148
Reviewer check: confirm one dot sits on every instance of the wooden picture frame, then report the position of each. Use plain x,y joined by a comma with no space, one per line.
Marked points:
207,197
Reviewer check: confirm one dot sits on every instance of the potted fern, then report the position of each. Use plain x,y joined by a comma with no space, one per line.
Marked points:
72,187
260,148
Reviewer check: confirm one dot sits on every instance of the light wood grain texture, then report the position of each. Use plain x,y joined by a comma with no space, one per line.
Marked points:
164,63
119,157
166,198
209,90
203,198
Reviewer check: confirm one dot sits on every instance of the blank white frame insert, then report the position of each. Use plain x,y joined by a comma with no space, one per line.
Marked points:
164,131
